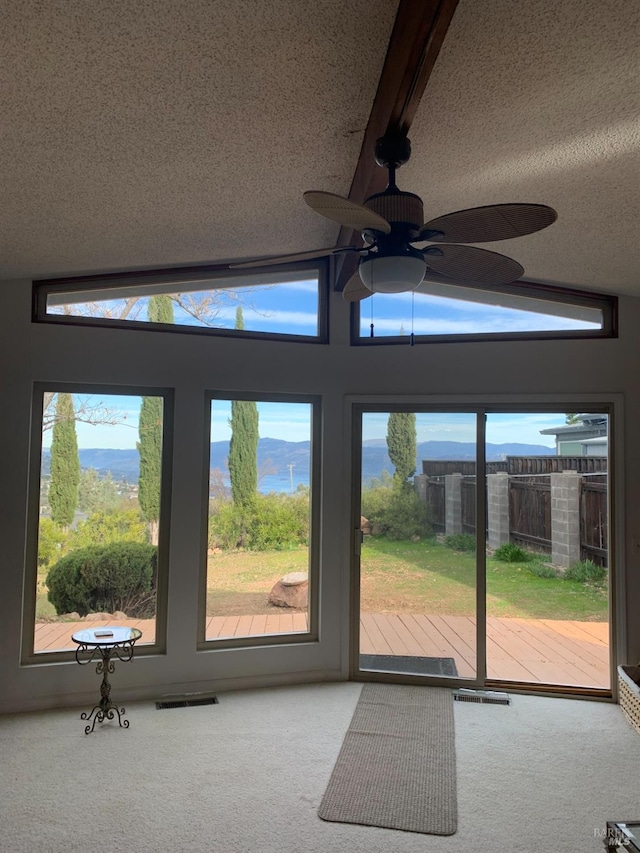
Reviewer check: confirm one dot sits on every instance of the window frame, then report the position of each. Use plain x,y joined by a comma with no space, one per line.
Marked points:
28,656
112,281
606,303
311,635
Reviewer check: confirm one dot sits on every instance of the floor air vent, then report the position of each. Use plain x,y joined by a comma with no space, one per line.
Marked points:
486,697
187,701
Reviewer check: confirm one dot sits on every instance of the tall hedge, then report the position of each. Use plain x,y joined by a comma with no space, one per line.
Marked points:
160,310
401,444
243,448
65,463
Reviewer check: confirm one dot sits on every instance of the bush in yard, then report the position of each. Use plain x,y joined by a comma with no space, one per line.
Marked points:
585,571
120,576
51,542
269,522
511,553
461,542
279,522
395,511
376,496
105,528
542,570
227,525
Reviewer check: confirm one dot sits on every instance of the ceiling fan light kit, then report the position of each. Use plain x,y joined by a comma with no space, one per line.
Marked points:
392,273
391,225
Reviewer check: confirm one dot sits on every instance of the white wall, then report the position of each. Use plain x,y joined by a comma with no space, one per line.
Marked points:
192,364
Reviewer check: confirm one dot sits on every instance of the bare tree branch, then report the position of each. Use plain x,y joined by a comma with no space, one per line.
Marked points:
86,412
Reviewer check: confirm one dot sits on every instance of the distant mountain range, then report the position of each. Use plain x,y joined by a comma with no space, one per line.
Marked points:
275,456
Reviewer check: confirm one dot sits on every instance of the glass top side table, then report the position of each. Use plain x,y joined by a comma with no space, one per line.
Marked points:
102,644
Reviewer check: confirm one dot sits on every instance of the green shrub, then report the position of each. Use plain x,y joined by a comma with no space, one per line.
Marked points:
376,496
542,570
228,525
105,528
396,512
511,553
280,522
585,571
270,522
461,542
120,576
51,542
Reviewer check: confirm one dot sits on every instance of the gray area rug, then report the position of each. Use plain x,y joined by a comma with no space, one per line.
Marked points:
397,764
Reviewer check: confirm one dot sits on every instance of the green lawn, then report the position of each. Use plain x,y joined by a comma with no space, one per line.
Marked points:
409,577
402,577
428,577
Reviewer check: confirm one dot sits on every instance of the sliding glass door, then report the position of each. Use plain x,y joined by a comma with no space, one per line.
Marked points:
505,580
548,549
417,557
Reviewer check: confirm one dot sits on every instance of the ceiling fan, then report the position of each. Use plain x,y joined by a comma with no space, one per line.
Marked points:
392,259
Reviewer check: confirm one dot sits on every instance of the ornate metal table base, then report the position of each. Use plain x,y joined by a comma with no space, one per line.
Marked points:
104,644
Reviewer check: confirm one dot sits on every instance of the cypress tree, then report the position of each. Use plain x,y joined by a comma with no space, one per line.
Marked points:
65,464
160,310
243,448
401,444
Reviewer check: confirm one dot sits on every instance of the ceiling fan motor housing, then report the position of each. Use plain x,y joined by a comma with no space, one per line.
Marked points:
402,210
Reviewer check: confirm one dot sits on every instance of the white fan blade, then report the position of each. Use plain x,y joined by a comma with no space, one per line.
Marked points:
345,212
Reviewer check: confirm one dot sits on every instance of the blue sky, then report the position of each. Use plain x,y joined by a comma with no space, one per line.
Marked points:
521,427
291,307
119,436
287,421
394,314
291,422
286,308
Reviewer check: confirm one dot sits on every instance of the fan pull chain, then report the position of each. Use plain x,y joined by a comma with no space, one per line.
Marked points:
413,299
371,326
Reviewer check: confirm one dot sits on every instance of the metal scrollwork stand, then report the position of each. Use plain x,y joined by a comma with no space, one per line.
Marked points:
105,709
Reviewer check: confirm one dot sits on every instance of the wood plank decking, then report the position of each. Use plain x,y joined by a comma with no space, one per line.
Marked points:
531,650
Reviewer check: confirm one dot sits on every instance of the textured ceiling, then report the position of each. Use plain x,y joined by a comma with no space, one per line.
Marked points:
539,101
163,132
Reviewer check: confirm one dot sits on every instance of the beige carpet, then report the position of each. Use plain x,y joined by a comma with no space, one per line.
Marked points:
397,765
248,775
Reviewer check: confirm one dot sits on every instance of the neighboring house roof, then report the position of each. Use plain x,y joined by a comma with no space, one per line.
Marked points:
587,422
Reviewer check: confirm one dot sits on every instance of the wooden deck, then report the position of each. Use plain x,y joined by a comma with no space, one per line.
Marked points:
531,650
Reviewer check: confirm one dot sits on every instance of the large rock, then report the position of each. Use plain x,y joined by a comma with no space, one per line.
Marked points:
291,591
365,526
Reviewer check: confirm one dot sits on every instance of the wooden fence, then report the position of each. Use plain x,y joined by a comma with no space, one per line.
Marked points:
469,505
436,503
442,467
530,511
594,533
518,465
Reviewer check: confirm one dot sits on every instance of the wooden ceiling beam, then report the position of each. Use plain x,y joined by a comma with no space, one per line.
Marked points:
416,39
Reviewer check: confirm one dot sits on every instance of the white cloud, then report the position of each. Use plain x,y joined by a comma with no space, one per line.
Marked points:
508,321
